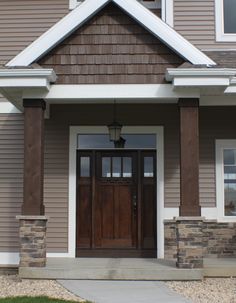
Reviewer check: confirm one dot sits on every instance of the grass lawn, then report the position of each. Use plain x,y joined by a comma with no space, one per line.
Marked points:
34,300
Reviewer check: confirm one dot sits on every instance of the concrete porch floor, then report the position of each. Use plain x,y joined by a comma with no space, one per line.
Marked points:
127,269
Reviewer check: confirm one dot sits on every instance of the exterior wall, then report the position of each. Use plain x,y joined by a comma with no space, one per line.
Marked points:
220,126
195,20
111,48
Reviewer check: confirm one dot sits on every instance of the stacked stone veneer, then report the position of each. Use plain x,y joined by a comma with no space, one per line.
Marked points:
218,239
32,241
189,237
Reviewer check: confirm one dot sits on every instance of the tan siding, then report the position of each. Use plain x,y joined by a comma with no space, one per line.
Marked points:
21,22
56,185
11,179
111,48
195,20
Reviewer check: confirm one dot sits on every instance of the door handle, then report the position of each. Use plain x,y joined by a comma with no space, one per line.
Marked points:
134,203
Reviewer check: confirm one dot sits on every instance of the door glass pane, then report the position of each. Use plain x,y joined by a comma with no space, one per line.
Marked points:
96,141
127,167
84,166
229,16
148,167
116,167
106,167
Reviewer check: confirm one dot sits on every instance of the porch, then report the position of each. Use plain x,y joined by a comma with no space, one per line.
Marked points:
128,269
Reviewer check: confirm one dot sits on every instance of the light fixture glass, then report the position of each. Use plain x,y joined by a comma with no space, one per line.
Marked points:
114,128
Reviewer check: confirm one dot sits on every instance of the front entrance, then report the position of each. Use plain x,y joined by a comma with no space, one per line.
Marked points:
116,203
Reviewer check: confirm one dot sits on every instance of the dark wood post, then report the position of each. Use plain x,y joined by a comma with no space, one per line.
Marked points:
33,157
189,157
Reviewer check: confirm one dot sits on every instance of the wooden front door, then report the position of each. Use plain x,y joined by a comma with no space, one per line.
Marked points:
116,203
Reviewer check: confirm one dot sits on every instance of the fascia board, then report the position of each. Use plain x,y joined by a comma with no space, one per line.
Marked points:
87,9
48,74
24,83
58,32
199,72
201,81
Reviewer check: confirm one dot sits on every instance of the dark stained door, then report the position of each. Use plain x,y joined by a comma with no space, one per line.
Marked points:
115,200
116,203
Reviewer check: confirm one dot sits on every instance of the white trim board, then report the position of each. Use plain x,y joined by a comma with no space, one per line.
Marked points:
89,8
60,93
8,108
74,131
9,258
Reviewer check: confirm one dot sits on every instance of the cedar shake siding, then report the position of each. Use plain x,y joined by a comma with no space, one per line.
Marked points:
195,20
111,48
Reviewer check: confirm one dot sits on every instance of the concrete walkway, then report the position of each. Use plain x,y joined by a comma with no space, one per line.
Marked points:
123,291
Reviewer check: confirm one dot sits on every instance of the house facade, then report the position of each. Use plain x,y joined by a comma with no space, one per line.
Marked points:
117,128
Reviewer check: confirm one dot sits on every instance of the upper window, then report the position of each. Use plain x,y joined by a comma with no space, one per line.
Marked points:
225,20
148,3
226,179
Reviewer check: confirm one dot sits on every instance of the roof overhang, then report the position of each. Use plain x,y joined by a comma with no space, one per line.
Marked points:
14,83
200,77
88,9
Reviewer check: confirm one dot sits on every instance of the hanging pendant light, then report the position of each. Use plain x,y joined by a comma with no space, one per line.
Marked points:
114,128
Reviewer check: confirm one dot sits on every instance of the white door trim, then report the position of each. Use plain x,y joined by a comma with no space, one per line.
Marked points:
74,131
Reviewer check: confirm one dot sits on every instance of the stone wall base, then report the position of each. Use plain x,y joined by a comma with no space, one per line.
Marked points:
218,239
32,241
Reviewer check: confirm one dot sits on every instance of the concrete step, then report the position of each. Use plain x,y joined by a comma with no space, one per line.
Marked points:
111,269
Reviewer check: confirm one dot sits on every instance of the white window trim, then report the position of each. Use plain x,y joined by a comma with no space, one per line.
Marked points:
74,131
220,146
219,24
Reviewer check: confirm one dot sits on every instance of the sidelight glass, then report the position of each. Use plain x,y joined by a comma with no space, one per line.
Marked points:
116,167
84,166
127,167
148,167
106,167
229,16
230,182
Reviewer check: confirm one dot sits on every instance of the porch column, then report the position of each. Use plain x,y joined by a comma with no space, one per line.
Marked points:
189,157
33,222
189,224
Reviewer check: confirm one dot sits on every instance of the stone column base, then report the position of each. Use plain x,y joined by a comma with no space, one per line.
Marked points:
189,242
32,241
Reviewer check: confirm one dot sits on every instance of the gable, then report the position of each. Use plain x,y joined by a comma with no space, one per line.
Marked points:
111,48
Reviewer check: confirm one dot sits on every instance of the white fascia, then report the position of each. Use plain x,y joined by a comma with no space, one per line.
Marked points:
231,89
26,78
200,77
89,8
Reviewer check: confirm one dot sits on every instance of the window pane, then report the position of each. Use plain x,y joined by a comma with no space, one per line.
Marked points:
116,167
230,199
230,172
106,167
230,16
148,167
84,166
95,141
127,167
229,156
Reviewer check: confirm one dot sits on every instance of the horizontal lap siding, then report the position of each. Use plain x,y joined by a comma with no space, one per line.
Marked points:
110,48
56,186
195,20
21,22
11,179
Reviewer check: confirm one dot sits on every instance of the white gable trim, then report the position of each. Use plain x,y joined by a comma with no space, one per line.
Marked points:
87,9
